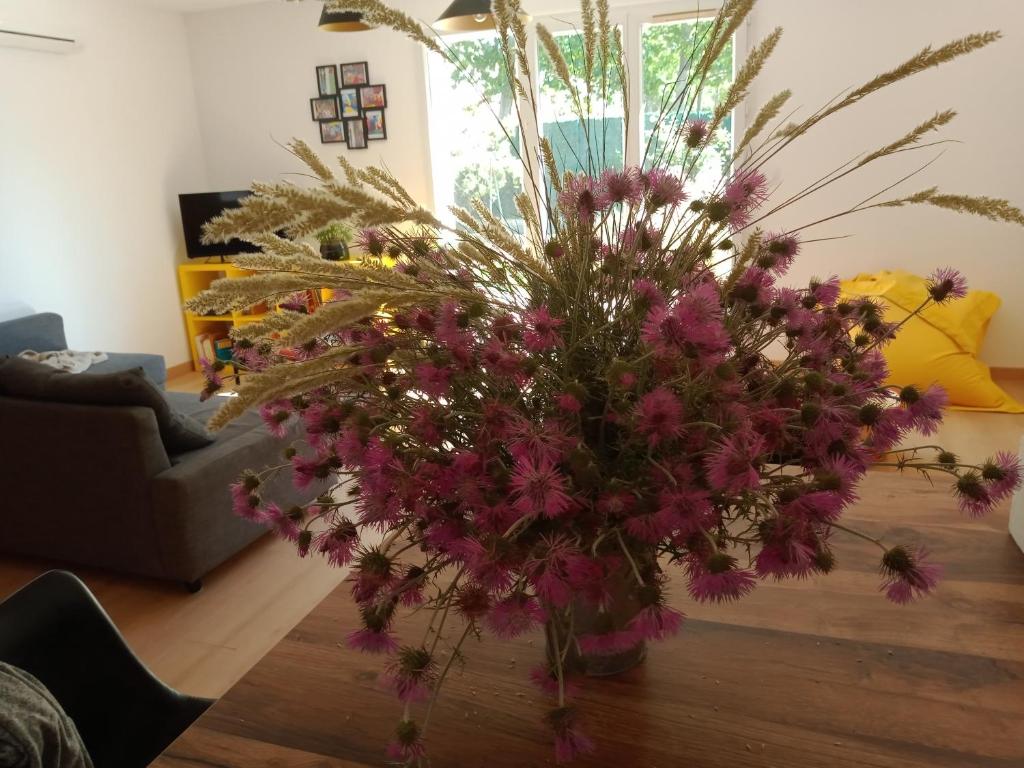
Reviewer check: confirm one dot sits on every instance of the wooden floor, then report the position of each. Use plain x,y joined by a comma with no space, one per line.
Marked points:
204,643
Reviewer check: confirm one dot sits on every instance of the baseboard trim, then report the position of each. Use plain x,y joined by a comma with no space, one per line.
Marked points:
1007,374
180,369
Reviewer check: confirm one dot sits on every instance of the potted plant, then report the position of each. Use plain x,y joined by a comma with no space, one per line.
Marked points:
552,425
334,241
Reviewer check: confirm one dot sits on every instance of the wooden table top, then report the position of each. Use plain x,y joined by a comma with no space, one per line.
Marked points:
817,674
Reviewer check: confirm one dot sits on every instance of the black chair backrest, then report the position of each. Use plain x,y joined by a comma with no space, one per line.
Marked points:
55,629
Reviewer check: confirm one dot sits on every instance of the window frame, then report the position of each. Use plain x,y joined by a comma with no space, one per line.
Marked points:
632,19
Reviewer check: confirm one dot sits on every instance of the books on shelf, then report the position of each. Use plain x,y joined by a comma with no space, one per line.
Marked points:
210,346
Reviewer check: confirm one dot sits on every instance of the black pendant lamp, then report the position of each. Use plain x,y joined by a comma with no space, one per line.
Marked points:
342,21
468,16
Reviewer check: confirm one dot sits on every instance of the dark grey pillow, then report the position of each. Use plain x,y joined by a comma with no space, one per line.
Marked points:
35,381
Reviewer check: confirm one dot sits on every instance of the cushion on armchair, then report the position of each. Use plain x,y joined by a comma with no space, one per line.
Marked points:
27,379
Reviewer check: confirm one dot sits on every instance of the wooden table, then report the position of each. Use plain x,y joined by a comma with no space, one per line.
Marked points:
819,674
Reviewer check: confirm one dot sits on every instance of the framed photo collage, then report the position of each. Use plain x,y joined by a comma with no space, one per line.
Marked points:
350,109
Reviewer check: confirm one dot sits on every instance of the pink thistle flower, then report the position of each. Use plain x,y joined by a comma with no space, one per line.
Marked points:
824,292
568,402
659,416
338,543
427,425
372,241
717,579
541,330
570,741
514,616
945,284
974,497
754,287
285,524
640,239
306,471
731,467
547,569
664,189
623,186
647,294
540,487
695,132
407,746
1002,474
275,416
743,194
907,574
785,555
244,500
412,674
372,641
434,380
211,374
656,622
925,408
580,198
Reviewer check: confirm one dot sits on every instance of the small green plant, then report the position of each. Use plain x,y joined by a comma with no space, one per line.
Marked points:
335,233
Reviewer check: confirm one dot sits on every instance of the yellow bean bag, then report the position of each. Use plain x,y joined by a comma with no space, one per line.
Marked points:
940,345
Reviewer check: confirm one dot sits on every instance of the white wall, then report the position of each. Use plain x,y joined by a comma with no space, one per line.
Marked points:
830,45
94,147
255,73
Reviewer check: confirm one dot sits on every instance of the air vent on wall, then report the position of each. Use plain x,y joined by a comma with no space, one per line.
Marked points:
34,41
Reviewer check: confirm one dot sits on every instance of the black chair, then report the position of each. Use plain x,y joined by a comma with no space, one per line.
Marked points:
55,629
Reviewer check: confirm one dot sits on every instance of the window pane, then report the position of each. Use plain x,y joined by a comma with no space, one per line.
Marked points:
474,137
670,51
559,122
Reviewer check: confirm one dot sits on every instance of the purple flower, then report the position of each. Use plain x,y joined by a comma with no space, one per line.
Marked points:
945,284
570,741
731,467
540,488
514,615
663,188
745,192
1002,475
579,199
695,132
659,416
907,574
541,330
717,579
625,186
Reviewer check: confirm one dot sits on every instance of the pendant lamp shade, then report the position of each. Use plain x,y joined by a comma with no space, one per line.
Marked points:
468,16
342,21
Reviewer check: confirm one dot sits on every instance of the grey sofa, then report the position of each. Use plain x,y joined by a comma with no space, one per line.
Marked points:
93,484
44,332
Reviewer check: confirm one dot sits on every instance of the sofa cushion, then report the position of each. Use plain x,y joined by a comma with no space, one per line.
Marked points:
153,365
43,332
26,379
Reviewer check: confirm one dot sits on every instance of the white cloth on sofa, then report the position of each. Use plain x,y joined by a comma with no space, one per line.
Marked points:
65,359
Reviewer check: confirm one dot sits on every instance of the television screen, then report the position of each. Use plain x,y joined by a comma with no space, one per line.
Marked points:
196,210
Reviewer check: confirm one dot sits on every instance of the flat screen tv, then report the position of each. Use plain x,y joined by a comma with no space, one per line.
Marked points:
199,208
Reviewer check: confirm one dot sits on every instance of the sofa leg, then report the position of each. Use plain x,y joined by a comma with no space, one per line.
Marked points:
194,586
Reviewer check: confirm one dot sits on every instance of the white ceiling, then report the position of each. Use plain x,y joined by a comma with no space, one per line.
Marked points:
192,6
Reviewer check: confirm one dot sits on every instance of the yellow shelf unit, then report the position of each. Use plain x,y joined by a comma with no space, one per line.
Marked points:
195,277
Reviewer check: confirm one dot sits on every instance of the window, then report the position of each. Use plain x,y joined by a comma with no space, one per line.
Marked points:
670,51
475,155
559,123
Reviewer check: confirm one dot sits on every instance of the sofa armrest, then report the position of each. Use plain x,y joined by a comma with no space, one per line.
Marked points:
43,332
198,527
76,483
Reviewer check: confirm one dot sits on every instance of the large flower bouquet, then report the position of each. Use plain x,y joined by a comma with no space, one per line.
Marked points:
539,425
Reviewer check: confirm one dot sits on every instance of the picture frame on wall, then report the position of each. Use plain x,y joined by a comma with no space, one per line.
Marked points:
376,127
324,108
333,132
373,96
355,130
327,80
350,106
355,73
